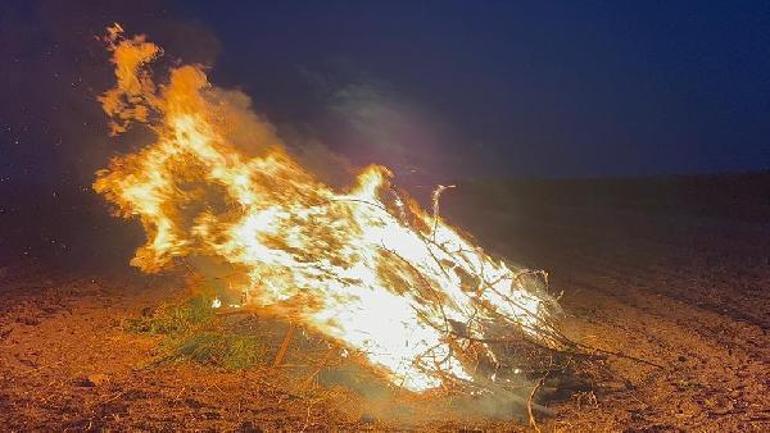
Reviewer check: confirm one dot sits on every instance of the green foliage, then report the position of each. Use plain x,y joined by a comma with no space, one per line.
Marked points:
192,332
229,351
174,319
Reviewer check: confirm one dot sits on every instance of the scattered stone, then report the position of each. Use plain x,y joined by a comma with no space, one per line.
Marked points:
248,427
92,380
28,320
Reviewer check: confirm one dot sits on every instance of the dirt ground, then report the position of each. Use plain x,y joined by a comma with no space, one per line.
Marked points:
687,290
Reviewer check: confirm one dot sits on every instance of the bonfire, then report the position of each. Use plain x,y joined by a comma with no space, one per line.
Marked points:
365,267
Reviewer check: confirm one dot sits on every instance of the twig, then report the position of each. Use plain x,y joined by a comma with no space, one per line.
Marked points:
436,197
532,421
621,355
284,346
306,383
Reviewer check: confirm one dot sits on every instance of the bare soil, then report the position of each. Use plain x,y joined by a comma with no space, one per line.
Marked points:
686,288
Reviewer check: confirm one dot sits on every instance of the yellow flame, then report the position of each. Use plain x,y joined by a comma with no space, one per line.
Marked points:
366,267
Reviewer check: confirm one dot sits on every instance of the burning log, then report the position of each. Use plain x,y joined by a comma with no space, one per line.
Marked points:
365,267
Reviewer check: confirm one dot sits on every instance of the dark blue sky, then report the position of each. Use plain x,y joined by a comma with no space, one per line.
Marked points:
522,88
445,89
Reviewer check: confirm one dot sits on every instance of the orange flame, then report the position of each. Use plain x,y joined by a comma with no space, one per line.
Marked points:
366,267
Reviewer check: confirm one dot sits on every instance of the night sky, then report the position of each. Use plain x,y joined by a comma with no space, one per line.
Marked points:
434,89
523,88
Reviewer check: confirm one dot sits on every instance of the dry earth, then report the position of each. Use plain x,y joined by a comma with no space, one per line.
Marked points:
689,290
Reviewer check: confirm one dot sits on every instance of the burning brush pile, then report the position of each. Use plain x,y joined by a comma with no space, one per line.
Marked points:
365,267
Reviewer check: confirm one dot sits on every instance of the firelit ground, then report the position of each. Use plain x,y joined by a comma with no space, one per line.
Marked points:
643,272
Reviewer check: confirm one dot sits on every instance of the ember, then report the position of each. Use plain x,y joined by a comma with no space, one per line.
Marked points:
366,267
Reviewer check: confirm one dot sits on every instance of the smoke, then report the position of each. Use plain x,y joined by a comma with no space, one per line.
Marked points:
385,125
368,119
329,166
359,120
386,403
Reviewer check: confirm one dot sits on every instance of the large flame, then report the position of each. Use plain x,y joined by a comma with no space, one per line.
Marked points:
366,267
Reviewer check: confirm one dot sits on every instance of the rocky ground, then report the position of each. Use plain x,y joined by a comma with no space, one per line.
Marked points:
684,287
